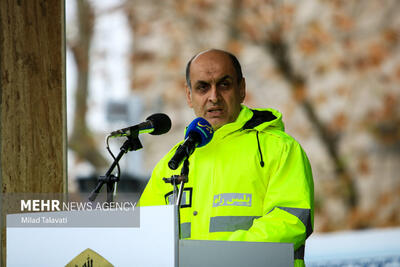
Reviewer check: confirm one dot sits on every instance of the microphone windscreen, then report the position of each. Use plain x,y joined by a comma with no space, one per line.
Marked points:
203,128
161,123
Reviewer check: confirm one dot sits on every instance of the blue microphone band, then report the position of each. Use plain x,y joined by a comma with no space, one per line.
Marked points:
202,127
199,133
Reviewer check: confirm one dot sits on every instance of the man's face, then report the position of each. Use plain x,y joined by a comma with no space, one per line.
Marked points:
216,94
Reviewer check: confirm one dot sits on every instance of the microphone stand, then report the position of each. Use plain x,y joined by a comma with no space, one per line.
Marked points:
132,144
174,180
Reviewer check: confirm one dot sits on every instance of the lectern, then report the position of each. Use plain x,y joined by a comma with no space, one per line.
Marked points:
148,236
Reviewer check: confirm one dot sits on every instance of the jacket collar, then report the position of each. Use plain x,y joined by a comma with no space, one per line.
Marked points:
258,119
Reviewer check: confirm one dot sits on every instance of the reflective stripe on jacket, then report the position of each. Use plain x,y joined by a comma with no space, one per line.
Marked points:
252,182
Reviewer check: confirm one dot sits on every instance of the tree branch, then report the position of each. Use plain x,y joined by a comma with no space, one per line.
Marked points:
81,139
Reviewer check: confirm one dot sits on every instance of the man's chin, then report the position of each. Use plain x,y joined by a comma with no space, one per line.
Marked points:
216,123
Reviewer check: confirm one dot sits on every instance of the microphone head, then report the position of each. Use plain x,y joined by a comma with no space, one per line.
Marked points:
203,128
161,123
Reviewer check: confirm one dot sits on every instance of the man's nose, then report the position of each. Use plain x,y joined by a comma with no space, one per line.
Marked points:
214,95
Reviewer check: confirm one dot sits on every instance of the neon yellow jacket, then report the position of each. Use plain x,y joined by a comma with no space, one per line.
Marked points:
252,182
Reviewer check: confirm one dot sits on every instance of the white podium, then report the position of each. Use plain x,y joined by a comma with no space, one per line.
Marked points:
152,243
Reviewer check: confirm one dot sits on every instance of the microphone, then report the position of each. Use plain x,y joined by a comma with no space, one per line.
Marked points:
199,133
156,124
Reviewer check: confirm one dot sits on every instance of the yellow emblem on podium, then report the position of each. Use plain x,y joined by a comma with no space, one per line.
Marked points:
89,258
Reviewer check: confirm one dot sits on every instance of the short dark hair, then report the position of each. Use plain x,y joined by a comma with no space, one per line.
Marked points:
235,63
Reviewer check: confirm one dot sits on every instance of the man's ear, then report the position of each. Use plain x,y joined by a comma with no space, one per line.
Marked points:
242,90
188,96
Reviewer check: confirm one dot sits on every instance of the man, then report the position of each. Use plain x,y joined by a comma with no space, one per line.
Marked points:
252,182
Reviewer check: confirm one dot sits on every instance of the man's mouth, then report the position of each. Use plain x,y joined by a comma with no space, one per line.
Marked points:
215,112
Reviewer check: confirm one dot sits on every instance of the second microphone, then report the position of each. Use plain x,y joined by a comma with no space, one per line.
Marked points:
198,134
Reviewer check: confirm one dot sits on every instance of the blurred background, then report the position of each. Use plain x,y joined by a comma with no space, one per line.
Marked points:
332,67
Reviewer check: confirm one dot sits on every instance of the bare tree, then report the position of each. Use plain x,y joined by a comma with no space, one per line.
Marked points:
81,140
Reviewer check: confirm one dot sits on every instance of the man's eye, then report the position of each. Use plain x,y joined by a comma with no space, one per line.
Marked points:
202,87
224,84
